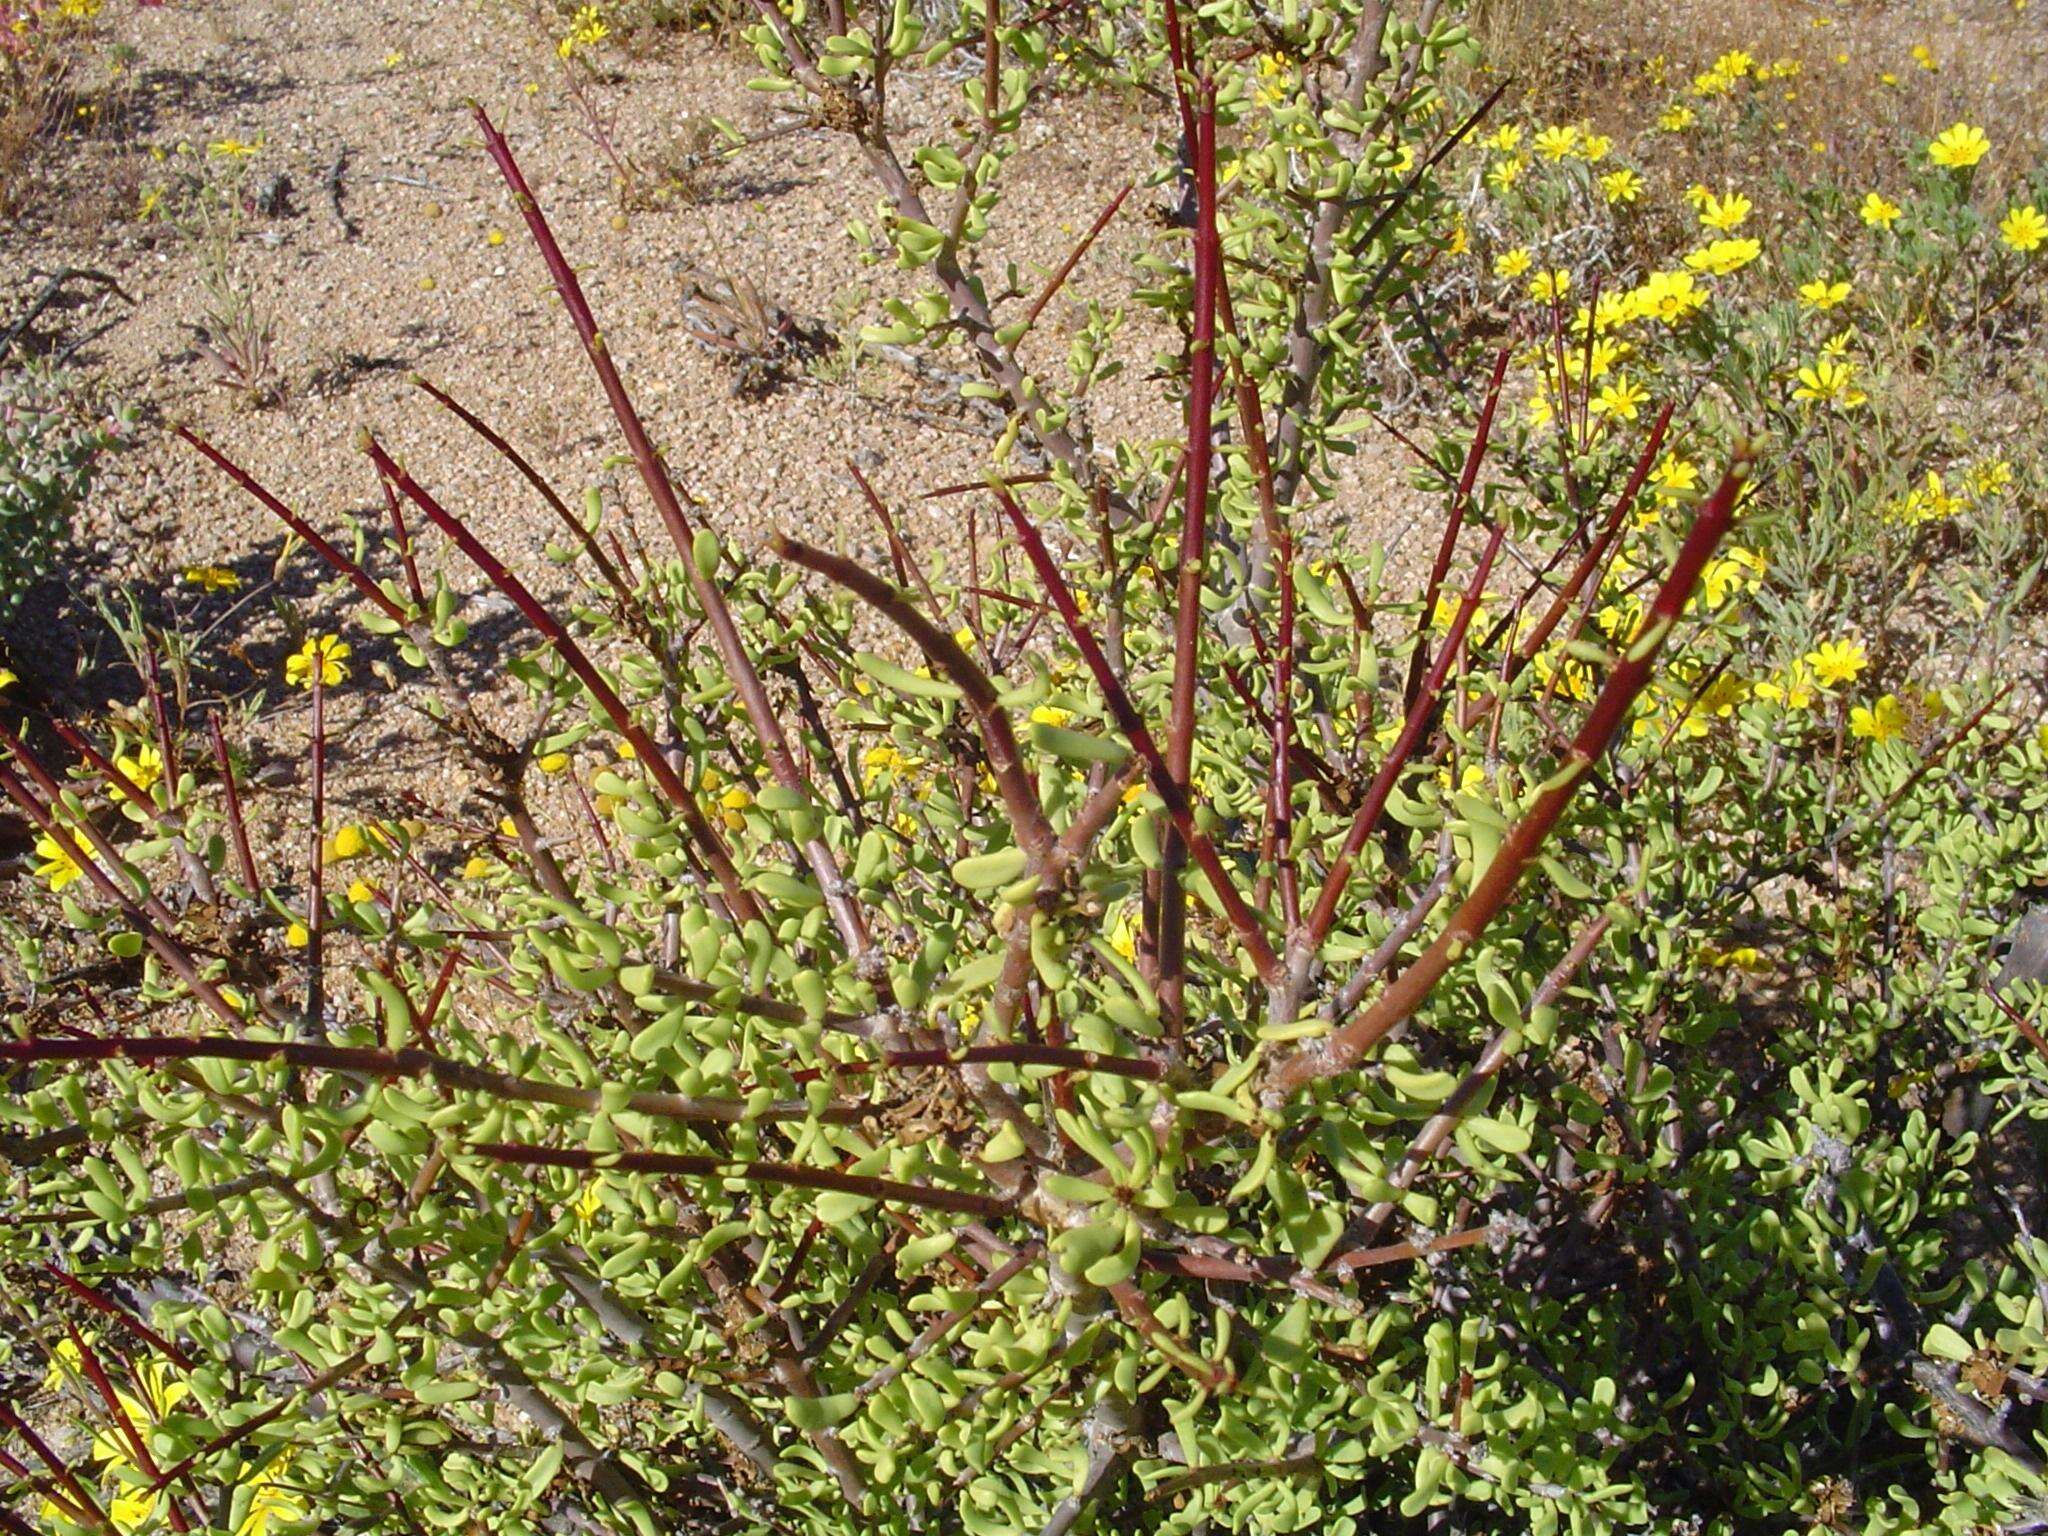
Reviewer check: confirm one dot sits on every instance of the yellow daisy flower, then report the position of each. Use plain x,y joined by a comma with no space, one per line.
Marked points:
328,652
1835,662
1959,147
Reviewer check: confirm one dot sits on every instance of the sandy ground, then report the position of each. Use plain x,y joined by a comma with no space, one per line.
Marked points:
441,279
427,288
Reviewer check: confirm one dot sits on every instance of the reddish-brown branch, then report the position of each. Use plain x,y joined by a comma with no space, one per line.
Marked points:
101,1304
96,1374
1348,1264
75,1490
1243,921
160,711
1273,1270
1194,536
1421,711
969,487
645,750
839,895
238,830
1596,553
1286,748
167,949
1344,1048
2026,1026
423,1021
403,543
197,875
357,577
52,792
1066,269
568,519
228,1438
1005,762
1209,1375
1066,1058
369,1061
907,568
1461,499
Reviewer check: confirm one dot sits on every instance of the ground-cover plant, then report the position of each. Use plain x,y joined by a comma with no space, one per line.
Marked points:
1871,337
37,61
1141,1024
48,451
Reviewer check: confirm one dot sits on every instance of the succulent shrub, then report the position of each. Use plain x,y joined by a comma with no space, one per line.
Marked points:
1141,1021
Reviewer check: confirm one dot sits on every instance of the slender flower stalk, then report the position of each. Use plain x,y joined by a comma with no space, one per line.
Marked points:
316,871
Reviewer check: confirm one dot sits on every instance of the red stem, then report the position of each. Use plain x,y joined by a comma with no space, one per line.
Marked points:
1242,919
237,828
1073,260
167,739
654,476
737,897
1453,525
372,1061
357,577
1188,618
583,536
66,1478
1425,691
1066,1058
1591,560
398,537
99,1303
423,1021
1420,714
89,1361
1345,1047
